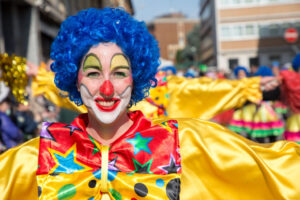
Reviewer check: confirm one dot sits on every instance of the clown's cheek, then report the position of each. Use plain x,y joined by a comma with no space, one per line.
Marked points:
120,87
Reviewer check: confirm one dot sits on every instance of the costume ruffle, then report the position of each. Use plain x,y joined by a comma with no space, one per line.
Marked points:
257,121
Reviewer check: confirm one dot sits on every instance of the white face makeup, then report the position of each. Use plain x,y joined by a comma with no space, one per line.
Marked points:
105,82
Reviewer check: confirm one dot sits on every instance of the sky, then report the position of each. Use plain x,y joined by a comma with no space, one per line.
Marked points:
147,10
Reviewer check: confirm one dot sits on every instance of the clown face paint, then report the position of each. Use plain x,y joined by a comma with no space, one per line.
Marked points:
105,82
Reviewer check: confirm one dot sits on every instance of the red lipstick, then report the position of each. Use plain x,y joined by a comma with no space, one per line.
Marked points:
107,105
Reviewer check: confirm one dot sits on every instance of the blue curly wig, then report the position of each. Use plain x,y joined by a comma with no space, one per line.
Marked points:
89,27
238,68
264,71
296,62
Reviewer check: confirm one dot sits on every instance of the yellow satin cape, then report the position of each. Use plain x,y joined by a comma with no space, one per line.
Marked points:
201,98
216,164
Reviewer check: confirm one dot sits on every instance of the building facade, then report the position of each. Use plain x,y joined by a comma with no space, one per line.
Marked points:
28,27
170,31
208,36
251,32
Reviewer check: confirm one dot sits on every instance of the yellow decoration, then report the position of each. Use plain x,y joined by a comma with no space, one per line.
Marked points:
13,73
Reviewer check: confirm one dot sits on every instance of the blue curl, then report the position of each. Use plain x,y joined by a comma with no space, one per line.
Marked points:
296,62
89,27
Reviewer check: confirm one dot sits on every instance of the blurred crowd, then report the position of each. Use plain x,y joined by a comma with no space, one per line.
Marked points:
261,122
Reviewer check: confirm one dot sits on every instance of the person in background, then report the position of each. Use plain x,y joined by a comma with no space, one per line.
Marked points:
259,121
290,94
253,69
11,136
275,68
241,72
25,121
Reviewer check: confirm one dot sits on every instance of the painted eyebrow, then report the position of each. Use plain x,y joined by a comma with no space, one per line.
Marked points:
95,62
121,67
124,62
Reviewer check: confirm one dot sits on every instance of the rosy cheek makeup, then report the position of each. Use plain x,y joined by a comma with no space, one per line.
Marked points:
79,77
121,87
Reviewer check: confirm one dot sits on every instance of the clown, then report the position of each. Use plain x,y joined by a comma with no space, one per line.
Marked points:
107,60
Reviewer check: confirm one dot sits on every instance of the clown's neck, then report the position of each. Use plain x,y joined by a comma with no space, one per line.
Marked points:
108,133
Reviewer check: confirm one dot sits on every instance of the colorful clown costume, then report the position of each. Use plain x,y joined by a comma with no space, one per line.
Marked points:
161,159
146,158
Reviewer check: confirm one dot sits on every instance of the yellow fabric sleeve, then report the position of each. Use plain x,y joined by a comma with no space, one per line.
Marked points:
216,164
17,172
43,84
219,164
203,98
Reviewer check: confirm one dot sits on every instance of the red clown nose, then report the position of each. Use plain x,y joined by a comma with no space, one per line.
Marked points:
107,90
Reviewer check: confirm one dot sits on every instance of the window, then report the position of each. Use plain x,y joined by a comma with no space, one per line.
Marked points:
237,31
263,31
224,2
225,32
249,30
236,1
274,58
253,61
206,12
273,30
233,62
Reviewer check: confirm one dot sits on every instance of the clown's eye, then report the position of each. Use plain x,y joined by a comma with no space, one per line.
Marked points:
120,74
93,74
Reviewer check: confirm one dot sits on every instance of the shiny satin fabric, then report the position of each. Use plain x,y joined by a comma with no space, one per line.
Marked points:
43,84
216,164
85,186
201,98
17,172
219,164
